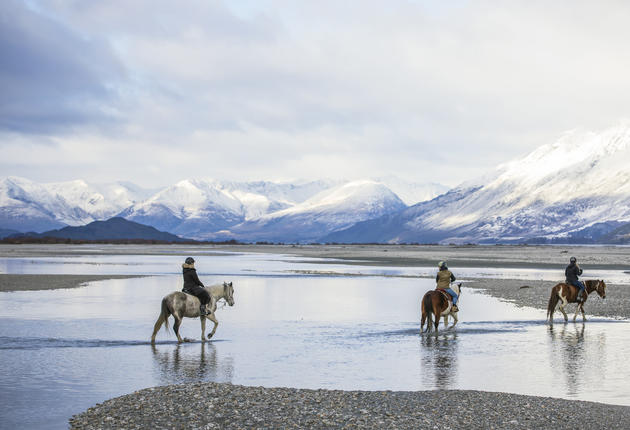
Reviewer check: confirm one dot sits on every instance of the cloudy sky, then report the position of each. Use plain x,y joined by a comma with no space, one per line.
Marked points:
155,91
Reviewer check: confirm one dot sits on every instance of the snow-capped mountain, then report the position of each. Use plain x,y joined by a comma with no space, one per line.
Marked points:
26,205
200,207
330,210
412,192
574,189
206,208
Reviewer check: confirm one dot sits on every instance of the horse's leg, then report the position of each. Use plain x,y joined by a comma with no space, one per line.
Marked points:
436,314
203,329
582,309
446,321
454,315
429,322
577,309
212,318
178,322
563,303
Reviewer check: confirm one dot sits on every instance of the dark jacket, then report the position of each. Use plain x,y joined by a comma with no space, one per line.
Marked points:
444,278
191,280
572,272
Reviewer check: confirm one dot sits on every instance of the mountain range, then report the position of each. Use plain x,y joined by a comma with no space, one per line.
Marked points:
574,190
209,209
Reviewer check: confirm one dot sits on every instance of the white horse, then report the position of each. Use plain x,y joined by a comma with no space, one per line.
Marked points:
180,305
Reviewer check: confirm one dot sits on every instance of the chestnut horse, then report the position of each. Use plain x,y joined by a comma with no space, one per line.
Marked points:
566,293
436,304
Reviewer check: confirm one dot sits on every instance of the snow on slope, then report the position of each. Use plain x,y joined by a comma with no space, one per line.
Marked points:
412,192
30,205
587,173
580,182
329,210
198,208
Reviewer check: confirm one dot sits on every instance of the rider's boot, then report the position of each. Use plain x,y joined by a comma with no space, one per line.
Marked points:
202,310
579,296
454,308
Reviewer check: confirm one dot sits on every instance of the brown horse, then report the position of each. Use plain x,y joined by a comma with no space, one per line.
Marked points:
436,304
566,293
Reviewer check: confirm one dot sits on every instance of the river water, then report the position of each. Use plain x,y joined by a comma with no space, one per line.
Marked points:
63,351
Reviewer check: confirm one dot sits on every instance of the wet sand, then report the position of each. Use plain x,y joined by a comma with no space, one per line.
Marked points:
51,282
513,256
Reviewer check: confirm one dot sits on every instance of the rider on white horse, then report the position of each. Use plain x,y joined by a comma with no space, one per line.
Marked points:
192,285
444,278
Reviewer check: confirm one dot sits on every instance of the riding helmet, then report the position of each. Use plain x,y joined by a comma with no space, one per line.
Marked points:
190,260
572,260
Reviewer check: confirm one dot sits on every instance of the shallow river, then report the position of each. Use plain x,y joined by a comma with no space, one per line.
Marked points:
63,351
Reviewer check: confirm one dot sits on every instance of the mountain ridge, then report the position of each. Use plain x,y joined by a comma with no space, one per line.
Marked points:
550,195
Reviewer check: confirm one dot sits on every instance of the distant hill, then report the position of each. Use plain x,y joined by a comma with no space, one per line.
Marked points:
619,236
4,232
112,229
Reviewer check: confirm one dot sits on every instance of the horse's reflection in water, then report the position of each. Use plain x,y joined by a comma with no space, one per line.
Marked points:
575,356
191,363
439,360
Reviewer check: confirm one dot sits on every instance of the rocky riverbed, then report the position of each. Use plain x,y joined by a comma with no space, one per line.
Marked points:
226,406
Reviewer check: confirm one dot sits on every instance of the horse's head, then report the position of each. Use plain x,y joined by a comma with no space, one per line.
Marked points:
601,288
228,291
457,288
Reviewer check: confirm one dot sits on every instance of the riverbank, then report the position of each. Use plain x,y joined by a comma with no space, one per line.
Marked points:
226,406
513,256
21,282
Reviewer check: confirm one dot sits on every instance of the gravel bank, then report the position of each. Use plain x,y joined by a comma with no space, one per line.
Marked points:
226,406
536,294
515,256
15,282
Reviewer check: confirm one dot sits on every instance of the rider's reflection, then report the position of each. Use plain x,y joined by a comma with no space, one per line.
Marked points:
187,363
570,355
439,360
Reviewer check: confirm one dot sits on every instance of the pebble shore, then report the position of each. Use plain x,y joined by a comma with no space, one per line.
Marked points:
226,406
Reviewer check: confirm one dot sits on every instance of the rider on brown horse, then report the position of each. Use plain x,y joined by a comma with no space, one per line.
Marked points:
572,272
444,278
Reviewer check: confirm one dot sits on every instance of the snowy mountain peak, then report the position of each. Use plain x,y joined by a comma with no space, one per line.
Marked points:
579,183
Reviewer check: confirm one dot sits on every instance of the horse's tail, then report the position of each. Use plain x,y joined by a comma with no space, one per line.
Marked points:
427,307
165,313
553,302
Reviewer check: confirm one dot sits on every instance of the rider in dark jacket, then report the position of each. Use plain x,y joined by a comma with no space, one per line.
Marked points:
192,285
571,273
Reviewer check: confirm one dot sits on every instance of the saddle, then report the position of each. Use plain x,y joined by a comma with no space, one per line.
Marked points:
446,295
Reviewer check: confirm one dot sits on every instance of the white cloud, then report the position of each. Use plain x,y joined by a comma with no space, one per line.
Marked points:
256,90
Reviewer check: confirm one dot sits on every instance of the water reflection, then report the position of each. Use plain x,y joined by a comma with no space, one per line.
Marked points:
575,359
439,360
191,363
